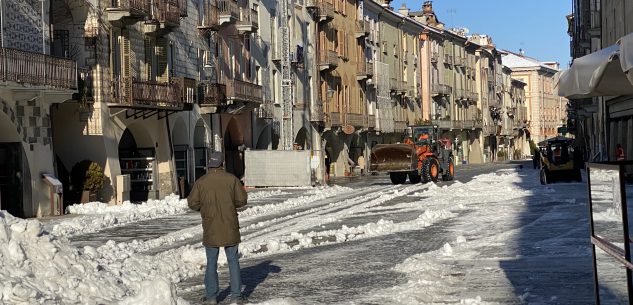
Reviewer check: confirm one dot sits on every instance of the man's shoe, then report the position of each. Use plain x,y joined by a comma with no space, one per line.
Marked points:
206,301
238,300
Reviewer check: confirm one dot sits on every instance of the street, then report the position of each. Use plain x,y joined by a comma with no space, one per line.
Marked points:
494,235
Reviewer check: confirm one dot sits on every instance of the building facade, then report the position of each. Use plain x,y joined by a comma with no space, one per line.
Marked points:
600,123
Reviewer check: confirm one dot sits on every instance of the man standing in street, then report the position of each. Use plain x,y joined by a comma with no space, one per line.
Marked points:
217,195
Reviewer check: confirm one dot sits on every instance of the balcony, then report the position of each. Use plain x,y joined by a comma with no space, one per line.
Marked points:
333,119
448,59
228,11
248,22
371,121
265,110
435,56
399,126
211,95
440,89
362,28
364,70
122,12
460,94
165,17
188,91
355,119
229,96
131,93
209,20
325,10
328,59
473,96
443,123
36,69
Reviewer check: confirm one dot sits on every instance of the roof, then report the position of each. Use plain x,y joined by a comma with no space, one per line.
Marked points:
516,61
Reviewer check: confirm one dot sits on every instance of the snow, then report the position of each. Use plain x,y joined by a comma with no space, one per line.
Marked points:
485,213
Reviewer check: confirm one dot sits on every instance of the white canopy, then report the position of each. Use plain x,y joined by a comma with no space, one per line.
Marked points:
602,73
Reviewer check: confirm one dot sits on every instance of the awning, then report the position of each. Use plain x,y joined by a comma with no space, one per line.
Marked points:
602,73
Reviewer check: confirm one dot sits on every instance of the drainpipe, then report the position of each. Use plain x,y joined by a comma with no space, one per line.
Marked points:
1,24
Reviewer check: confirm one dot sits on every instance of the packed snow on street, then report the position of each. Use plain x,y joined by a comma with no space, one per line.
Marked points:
493,236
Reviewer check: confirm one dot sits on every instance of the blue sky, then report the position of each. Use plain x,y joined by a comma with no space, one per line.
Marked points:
537,26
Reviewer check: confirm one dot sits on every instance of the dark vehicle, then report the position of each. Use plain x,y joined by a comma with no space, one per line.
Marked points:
420,156
558,161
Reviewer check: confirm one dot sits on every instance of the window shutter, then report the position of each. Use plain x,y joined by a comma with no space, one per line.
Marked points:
126,68
149,55
162,75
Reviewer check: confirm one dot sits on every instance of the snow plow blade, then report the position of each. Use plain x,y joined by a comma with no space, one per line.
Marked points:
393,158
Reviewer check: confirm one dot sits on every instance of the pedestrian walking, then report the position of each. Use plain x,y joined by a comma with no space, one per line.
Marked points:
217,195
361,164
619,152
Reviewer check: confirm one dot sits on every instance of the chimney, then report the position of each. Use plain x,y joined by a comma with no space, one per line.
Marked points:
427,7
404,10
522,52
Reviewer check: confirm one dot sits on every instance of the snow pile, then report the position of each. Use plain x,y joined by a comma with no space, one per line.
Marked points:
96,216
265,194
37,268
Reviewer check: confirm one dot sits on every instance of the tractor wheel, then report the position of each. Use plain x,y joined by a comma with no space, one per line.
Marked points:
415,178
434,170
544,177
398,178
449,173
426,168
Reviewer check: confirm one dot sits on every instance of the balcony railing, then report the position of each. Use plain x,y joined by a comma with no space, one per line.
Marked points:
441,89
473,96
167,12
355,119
362,28
209,16
211,94
248,19
37,69
137,7
265,110
333,119
243,91
326,10
448,59
147,94
328,58
371,121
228,9
364,68
435,56
400,125
460,93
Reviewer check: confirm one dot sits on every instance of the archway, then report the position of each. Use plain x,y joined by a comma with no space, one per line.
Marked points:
301,139
180,141
13,168
234,149
137,157
264,139
200,149
68,18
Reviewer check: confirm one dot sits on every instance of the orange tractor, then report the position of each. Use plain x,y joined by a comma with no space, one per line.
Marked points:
420,156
